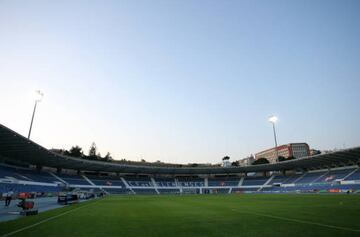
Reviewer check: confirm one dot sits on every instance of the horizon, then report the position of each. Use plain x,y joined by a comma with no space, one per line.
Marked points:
181,82
85,154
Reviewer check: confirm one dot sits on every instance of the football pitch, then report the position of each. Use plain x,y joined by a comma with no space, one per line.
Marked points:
198,215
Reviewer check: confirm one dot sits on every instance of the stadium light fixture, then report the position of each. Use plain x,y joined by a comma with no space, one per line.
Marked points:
38,98
273,119
38,95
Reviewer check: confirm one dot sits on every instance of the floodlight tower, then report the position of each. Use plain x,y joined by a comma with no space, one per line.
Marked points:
273,119
38,97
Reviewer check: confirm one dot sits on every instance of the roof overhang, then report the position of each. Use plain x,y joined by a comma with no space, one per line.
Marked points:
14,146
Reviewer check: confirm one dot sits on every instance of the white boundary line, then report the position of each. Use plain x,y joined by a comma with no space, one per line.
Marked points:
46,220
299,221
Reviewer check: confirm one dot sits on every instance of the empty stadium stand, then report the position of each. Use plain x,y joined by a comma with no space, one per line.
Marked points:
40,170
165,182
250,181
190,182
233,181
28,180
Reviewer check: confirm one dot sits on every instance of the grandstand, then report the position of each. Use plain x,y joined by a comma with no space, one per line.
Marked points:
43,170
316,181
148,200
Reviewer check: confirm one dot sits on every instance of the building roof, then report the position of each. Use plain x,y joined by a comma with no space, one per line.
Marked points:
14,146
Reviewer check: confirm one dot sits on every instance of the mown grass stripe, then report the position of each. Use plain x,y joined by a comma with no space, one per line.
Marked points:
297,220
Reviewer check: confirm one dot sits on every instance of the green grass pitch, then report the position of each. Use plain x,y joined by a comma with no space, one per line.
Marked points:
198,215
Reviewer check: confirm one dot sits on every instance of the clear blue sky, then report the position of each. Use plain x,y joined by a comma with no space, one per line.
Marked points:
182,81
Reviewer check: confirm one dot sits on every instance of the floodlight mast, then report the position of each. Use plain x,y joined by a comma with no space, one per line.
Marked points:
39,97
273,119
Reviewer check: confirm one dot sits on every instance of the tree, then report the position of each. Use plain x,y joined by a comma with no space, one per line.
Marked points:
92,152
108,157
226,158
261,161
66,153
281,159
235,163
76,151
290,158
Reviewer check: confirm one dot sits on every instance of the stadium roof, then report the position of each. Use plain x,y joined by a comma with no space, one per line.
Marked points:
14,146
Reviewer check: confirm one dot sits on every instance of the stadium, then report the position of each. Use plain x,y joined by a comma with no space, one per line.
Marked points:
317,193
236,118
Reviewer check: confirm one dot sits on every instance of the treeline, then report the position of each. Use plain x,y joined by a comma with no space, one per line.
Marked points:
93,154
261,161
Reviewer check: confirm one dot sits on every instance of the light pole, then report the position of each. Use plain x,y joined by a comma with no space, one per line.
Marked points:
273,119
39,96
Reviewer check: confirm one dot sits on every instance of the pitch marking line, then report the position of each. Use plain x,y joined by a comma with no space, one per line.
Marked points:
298,221
46,220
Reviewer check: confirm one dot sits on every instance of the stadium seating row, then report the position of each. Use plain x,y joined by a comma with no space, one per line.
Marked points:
24,179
